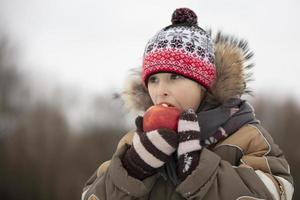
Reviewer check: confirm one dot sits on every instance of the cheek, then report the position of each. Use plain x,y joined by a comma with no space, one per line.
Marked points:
190,99
196,101
151,93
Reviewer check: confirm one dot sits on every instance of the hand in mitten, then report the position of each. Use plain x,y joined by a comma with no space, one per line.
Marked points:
149,150
189,147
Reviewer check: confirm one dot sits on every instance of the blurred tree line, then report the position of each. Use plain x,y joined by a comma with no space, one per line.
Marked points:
43,158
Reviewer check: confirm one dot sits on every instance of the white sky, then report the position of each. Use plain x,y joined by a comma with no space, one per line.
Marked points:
91,44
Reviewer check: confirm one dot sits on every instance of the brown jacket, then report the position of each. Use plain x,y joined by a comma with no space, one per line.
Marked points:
246,165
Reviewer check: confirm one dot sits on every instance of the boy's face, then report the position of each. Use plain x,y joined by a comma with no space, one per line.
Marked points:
176,90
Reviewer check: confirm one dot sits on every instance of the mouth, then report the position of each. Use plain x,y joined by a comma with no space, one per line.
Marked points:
166,104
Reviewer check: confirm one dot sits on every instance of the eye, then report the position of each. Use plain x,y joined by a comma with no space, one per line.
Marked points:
176,76
152,79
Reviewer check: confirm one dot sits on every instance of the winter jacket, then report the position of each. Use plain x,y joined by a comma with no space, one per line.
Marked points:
245,165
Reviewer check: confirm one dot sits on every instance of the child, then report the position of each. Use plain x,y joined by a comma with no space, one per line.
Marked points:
220,150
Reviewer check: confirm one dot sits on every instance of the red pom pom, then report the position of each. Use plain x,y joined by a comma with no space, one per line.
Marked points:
184,15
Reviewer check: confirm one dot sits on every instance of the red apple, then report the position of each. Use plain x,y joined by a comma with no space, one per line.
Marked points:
161,116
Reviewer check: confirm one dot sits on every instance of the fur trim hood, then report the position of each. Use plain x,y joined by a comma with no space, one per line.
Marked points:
232,60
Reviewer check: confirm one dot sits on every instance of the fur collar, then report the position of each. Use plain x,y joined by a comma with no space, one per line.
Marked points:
232,60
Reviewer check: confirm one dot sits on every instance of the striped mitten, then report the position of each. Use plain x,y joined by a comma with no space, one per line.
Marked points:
149,150
189,147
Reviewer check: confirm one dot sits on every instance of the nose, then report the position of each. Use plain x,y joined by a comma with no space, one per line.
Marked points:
162,89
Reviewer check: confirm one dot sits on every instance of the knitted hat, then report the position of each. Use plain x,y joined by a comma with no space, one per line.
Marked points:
182,48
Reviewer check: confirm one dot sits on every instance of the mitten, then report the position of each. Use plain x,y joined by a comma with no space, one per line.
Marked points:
149,150
189,147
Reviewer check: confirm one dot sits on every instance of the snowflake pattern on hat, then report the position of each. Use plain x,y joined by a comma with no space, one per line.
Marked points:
189,38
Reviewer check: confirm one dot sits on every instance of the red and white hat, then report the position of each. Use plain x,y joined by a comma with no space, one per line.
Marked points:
183,48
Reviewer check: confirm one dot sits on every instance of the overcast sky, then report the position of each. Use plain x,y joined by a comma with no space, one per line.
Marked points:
91,44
